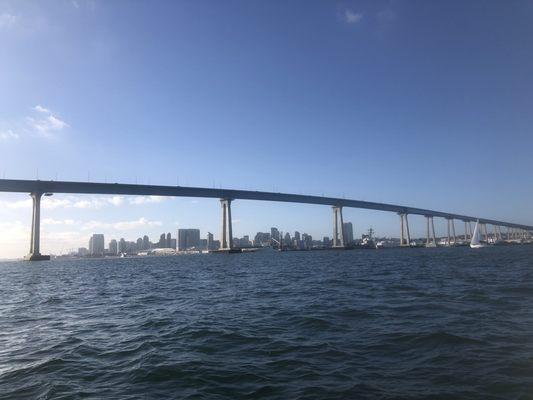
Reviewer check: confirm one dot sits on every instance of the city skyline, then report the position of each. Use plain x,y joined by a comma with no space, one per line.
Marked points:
350,99
111,205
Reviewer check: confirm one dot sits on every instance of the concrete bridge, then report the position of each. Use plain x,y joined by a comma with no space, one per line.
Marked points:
37,189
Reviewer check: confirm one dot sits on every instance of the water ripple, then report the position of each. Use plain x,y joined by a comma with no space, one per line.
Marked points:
420,324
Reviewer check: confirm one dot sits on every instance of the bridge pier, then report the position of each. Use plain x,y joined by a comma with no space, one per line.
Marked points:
226,238
404,229
451,232
466,231
35,241
428,239
486,233
337,218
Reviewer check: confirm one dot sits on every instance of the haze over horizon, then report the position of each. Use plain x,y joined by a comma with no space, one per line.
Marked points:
415,103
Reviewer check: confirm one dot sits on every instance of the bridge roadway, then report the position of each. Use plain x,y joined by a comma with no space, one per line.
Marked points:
37,189
36,186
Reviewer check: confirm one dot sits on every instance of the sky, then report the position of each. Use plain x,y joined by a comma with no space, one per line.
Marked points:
421,103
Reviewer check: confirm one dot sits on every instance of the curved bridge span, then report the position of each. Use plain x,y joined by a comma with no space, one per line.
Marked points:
37,188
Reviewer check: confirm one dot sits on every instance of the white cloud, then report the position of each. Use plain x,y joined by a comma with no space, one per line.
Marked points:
352,17
51,221
7,20
116,200
48,124
41,109
8,135
99,202
16,204
91,203
121,225
146,199
51,203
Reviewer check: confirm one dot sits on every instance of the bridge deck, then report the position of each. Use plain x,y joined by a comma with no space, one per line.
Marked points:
29,186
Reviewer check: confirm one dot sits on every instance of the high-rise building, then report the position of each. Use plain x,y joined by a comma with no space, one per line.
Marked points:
162,241
287,239
169,240
97,245
173,243
307,241
122,246
262,239
274,235
210,241
139,244
113,247
188,238
348,232
297,236
146,242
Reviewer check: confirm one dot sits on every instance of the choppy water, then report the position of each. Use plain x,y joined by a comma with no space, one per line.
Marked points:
414,324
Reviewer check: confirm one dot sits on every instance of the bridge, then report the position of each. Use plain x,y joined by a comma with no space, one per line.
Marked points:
38,188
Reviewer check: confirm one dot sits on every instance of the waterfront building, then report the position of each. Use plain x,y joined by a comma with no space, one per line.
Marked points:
348,232
307,241
146,242
97,245
262,239
274,235
209,244
188,239
113,247
162,241
169,240
122,246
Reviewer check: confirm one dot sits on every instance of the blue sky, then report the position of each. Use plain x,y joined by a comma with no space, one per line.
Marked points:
412,102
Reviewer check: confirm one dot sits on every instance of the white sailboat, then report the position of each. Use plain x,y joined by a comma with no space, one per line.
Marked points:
475,243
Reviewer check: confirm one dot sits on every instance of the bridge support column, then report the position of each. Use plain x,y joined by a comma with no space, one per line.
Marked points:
226,238
451,232
466,231
486,233
429,243
35,241
338,234
404,229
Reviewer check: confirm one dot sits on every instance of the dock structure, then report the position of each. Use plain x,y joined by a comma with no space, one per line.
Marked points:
38,188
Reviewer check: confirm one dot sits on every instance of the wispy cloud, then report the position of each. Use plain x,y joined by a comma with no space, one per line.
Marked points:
51,221
146,199
47,124
121,225
41,109
352,17
8,135
7,20
91,203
